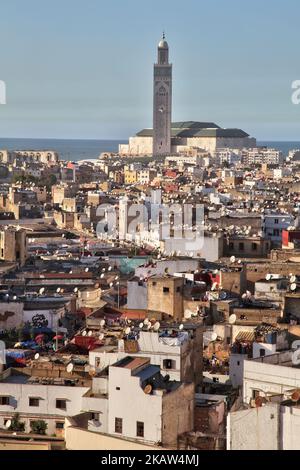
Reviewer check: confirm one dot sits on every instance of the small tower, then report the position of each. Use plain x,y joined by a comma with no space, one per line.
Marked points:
162,101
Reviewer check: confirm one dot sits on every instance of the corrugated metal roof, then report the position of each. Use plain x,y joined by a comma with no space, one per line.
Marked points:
245,336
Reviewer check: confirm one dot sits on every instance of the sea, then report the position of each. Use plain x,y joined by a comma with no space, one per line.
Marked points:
75,149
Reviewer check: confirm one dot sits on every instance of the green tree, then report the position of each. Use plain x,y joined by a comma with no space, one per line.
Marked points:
16,424
39,427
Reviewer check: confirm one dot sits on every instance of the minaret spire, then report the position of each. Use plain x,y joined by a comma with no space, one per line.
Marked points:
162,101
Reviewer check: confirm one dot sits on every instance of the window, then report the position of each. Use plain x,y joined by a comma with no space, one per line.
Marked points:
276,221
276,232
166,290
169,364
241,246
231,245
178,289
154,283
119,425
118,388
4,401
262,352
61,404
59,425
255,394
238,363
140,429
97,362
34,401
254,247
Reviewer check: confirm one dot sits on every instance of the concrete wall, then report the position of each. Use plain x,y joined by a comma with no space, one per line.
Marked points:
254,429
267,377
81,439
11,314
137,295
177,414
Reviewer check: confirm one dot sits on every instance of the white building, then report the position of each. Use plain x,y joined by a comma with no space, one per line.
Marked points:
274,224
178,357
131,400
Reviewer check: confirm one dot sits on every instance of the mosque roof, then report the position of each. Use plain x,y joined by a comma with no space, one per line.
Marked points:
197,129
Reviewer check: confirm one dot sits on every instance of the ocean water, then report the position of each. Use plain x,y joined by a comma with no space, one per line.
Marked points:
75,150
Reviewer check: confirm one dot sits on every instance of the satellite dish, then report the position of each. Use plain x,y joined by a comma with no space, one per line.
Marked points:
296,345
156,326
8,424
148,389
232,259
58,290
268,277
146,321
36,356
181,327
102,323
296,358
295,396
102,276
293,287
70,368
90,333
209,337
76,290
232,319
86,270
101,336
127,330
141,325
223,295
293,279
84,333
42,290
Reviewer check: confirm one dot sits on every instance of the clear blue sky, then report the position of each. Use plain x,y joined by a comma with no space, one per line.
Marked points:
83,69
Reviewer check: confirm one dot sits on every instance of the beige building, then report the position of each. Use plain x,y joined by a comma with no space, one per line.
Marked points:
188,135
13,245
165,294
